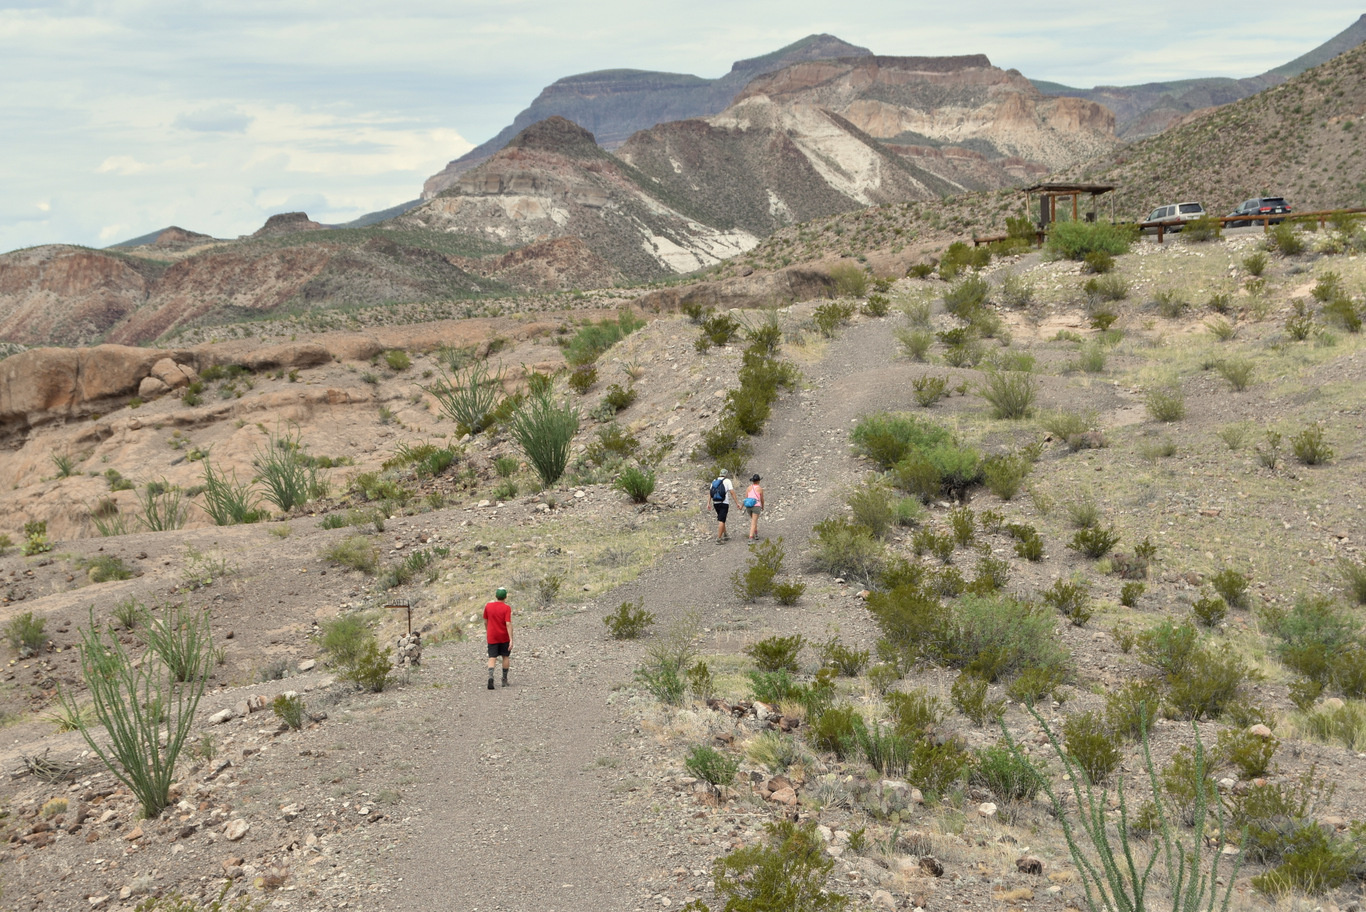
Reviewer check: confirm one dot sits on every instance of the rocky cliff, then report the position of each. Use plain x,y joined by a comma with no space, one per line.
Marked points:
613,104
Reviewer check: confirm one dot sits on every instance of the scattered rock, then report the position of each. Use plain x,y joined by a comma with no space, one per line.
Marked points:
236,830
883,900
1260,730
931,866
986,809
1028,864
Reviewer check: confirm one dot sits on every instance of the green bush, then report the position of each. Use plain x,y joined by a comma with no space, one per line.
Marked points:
871,507
887,438
1311,446
1353,574
1209,611
1074,240
1005,475
1072,599
582,378
928,390
1285,239
969,695
1034,684
1028,543
830,316
1250,754
847,549
1010,394
1232,586
787,873
636,483
1239,373
757,579
593,340
1098,262
228,501
915,343
371,670
846,662
289,708
397,359
290,476
1006,774
772,687
1208,684
1094,542
35,538
788,592
342,639
836,730
1091,745
629,621
1131,709
544,431
776,653
1169,647
355,552
711,766
144,709
1129,593
914,712
1166,404
469,397
104,568
966,296
25,634
1312,862
618,397
849,279
1255,263
1205,228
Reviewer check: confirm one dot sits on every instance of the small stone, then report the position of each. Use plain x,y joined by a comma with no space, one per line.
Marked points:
236,830
1260,730
97,902
883,900
134,834
931,866
986,809
223,715
1028,864
787,796
308,665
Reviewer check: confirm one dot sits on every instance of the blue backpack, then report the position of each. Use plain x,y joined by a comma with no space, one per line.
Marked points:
718,491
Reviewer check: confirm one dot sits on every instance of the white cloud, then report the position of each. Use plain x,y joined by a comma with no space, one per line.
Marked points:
124,116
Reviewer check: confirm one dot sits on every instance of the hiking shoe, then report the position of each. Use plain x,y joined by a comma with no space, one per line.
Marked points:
490,683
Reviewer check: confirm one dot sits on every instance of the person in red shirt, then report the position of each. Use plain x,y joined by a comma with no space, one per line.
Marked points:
498,623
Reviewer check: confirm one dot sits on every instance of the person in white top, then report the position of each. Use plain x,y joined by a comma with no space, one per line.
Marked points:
722,496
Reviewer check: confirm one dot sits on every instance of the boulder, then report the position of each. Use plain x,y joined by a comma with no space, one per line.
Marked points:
152,388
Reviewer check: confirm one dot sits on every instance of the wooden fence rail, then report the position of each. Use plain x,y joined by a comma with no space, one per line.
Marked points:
1175,225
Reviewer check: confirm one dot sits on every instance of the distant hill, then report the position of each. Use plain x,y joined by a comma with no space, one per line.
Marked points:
613,104
1148,109
1300,139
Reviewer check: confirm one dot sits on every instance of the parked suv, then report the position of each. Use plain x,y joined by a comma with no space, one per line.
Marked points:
1183,212
1261,205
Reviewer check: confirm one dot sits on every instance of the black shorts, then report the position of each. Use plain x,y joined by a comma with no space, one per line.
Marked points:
499,649
722,510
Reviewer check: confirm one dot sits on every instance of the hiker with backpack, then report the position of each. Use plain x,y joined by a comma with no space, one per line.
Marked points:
722,495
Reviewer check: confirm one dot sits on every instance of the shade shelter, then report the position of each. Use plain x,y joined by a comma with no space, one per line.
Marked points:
1050,193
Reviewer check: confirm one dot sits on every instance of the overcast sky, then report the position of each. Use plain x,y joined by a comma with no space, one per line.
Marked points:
120,117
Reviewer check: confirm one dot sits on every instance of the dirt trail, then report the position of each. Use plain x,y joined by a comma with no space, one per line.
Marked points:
522,794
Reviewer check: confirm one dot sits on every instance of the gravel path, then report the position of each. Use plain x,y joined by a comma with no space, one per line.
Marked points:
526,810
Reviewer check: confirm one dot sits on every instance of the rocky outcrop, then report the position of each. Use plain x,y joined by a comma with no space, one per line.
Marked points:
176,238
616,103
69,294
287,223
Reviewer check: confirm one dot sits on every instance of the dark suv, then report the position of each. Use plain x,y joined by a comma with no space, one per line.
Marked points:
1262,205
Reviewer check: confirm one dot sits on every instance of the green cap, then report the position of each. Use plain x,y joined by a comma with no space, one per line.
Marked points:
500,594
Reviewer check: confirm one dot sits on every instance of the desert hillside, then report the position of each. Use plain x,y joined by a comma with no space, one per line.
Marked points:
1101,498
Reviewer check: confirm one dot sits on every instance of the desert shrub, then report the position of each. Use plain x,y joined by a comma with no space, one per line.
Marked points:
1097,262
342,639
1028,543
1203,229
35,538
592,340
1074,240
711,766
928,541
887,438
228,501
1317,638
1006,774
1168,647
1209,611
1207,685
1285,239
757,579
992,575
1010,394
1255,263
836,730
1312,862
636,483
582,378
1034,684
1166,403
966,296
289,708
25,633
128,612
1072,599
914,712
915,343
1106,288
1094,542
1250,754
788,592
1237,371
1231,586
1092,745
877,305
105,567
969,695
1129,593
1311,446
618,397
397,359
1353,574
469,397
776,653
145,709
844,548
849,279
937,767
831,315
928,390
1131,709
289,475
787,872
773,750
772,687
371,670
996,636
355,552
871,507
629,621
543,430
846,662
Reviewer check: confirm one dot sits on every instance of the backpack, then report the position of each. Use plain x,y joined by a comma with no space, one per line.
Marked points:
718,491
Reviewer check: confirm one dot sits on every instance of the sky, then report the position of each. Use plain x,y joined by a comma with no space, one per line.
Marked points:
121,117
